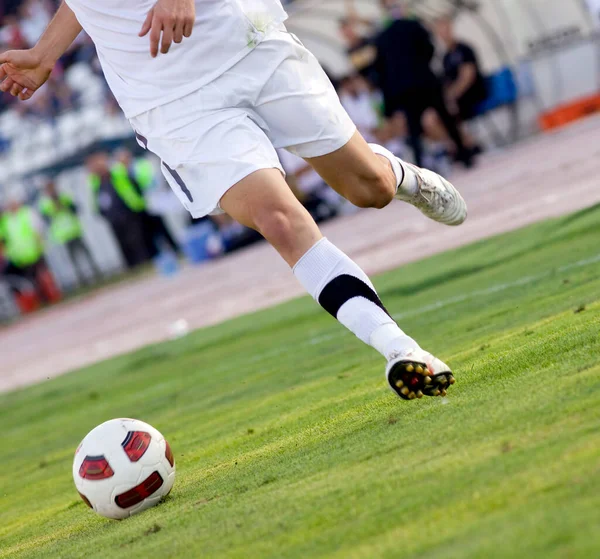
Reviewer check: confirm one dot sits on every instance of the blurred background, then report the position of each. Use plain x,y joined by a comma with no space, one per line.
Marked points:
439,82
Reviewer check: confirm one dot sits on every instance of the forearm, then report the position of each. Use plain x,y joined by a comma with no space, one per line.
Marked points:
58,36
466,78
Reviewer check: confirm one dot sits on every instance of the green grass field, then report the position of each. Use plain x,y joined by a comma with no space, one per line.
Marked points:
289,444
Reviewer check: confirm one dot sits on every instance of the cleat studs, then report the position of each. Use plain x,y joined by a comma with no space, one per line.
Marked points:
399,384
452,380
412,396
405,391
443,393
419,394
427,380
409,368
420,369
436,392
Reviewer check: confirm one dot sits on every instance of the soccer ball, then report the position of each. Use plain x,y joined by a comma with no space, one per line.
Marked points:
123,467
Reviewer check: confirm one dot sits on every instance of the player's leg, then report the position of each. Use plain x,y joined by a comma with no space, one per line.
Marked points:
216,152
264,202
369,175
302,113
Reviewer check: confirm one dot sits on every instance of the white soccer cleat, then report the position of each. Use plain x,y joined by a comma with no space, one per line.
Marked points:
417,373
436,198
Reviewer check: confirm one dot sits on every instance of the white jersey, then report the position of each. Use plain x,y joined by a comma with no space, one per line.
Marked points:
224,32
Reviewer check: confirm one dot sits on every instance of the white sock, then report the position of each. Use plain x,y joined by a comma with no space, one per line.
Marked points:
405,176
345,291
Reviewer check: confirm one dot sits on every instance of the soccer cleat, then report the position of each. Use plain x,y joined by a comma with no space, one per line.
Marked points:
436,198
416,373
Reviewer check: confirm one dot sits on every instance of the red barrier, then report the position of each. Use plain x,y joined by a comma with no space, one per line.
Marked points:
569,112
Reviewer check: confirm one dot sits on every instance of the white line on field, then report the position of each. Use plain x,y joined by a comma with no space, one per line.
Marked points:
497,288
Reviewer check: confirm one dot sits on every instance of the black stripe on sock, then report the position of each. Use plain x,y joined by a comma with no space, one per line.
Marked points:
343,288
403,174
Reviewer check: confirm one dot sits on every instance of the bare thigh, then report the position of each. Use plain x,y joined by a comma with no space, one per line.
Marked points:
355,172
264,202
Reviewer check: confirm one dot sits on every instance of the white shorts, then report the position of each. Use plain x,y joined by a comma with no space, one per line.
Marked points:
278,96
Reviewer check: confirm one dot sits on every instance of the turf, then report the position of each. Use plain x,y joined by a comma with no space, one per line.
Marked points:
289,444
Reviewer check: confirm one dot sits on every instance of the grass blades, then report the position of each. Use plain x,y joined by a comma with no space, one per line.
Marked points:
289,444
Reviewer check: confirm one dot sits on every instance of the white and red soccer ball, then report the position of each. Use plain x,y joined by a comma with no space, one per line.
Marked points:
123,467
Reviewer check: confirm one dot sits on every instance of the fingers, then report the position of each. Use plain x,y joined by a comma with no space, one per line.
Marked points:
16,89
155,36
147,23
6,85
188,25
178,33
173,30
3,73
6,57
167,39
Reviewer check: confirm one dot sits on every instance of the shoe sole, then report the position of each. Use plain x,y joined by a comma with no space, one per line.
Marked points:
412,380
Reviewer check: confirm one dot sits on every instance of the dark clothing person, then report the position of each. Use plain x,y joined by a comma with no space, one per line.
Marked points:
141,177
127,225
404,54
110,205
453,61
157,231
362,57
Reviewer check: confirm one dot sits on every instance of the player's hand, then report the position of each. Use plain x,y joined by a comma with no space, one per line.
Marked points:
173,19
22,73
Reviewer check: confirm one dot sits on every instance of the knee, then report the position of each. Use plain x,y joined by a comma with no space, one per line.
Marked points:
277,224
377,189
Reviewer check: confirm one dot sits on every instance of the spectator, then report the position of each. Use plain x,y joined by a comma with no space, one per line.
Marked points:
8,8
65,229
141,172
359,102
11,34
119,200
21,25
465,86
359,46
34,17
23,249
404,55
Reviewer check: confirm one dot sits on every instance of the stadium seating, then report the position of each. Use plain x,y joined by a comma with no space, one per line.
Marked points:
502,92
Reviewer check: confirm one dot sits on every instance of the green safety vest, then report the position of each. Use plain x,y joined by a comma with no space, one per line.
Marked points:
64,223
143,171
123,186
22,244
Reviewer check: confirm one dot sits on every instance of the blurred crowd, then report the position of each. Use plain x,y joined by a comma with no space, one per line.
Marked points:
118,186
400,93
76,79
396,95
